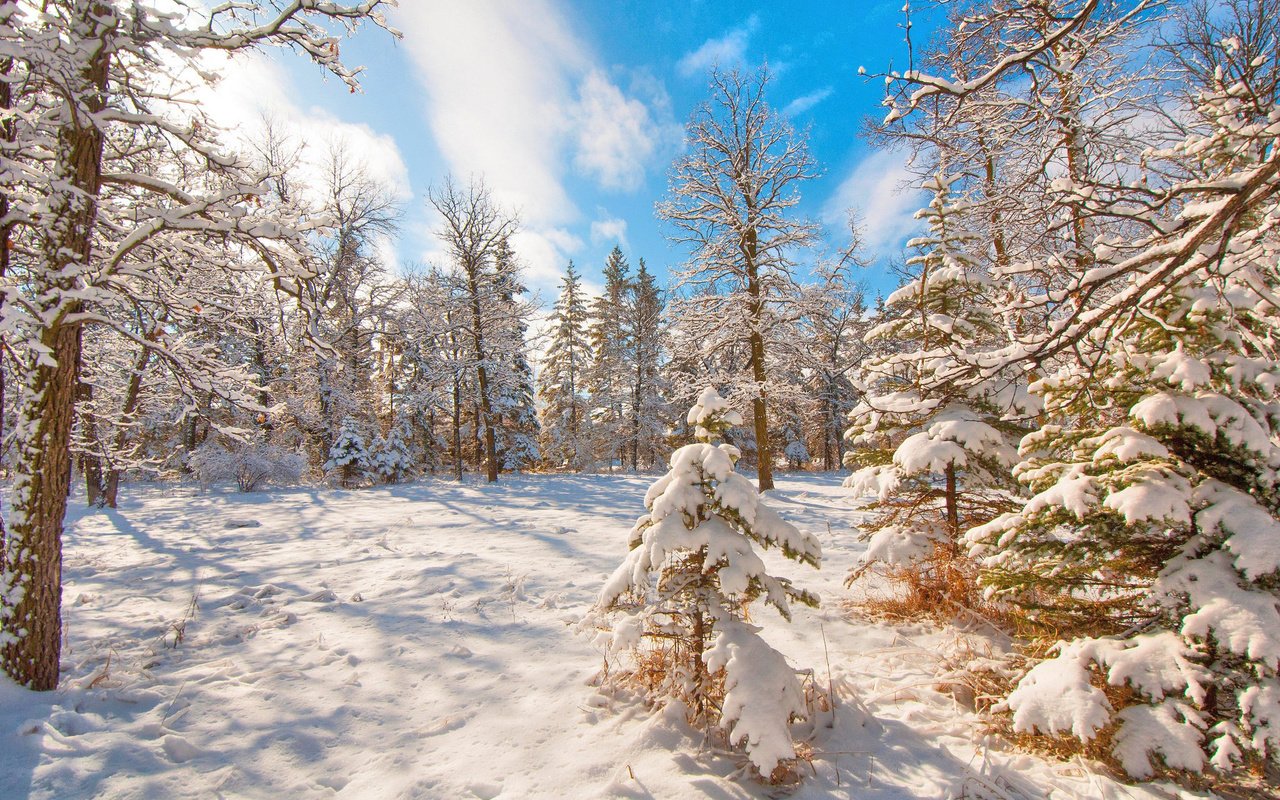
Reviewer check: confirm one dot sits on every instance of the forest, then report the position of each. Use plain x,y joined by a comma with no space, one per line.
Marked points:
1059,435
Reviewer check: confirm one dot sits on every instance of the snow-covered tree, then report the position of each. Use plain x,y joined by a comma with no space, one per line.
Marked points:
1154,526
92,80
933,454
390,457
514,399
731,201
1150,544
607,377
561,384
476,231
348,456
685,589
648,409
834,328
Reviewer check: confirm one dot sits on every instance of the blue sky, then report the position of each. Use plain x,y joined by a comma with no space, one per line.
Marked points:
574,111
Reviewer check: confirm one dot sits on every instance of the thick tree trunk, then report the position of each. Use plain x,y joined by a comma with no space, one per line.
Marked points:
32,633
482,378
7,132
760,403
32,625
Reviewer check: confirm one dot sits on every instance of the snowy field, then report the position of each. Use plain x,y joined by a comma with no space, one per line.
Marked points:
418,642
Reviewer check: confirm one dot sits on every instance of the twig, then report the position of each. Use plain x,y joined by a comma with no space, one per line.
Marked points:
831,689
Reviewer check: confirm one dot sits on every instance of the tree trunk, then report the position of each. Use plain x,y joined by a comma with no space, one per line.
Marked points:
133,393
457,428
759,404
32,633
33,625
482,378
7,133
953,507
90,462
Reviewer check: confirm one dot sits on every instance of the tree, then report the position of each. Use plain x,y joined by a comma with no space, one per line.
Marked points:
1147,547
514,401
606,378
699,541
730,200
935,454
646,335
348,456
561,384
475,230
834,330
389,457
77,73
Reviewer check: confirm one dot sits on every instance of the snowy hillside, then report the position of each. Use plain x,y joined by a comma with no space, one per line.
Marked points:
417,641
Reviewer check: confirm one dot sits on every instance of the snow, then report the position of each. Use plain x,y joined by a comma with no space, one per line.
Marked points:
1148,730
418,641
1057,696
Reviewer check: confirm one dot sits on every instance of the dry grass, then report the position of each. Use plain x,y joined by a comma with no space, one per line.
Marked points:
665,672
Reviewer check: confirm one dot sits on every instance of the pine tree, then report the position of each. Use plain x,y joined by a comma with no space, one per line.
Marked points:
646,339
514,401
921,424
699,541
389,457
1152,536
607,381
566,443
348,456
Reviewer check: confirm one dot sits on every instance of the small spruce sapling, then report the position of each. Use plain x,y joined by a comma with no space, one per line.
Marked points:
684,590
390,457
348,456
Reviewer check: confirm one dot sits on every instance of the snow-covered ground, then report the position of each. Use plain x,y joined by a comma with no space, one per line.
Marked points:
418,641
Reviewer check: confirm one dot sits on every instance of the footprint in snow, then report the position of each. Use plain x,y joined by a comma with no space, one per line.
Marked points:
458,651
322,596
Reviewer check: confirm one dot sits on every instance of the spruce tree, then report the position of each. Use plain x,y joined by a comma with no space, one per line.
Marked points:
1151,541
684,592
389,457
933,450
607,380
513,400
348,456
562,382
646,339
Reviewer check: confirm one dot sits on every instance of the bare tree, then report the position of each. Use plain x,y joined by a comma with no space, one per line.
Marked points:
476,230
731,200
84,73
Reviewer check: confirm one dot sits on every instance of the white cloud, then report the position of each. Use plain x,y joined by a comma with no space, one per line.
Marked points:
253,89
513,95
616,135
544,255
609,230
727,51
878,190
805,102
